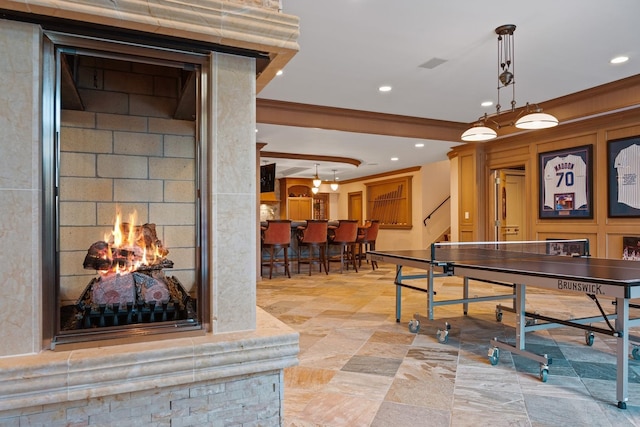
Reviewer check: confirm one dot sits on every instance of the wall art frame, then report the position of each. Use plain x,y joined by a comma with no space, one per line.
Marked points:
623,177
566,183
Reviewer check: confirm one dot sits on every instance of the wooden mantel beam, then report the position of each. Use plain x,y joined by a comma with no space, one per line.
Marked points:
617,95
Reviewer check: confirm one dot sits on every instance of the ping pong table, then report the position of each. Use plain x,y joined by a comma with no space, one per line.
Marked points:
563,266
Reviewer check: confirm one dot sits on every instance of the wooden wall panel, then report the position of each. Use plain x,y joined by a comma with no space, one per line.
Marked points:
605,233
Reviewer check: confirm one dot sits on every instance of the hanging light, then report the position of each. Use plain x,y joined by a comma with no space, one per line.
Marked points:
506,77
334,184
536,120
479,132
316,181
315,190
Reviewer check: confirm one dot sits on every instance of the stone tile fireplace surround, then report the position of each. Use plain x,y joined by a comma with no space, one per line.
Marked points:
232,373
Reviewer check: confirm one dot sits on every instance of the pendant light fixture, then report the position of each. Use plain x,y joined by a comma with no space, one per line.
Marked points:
536,119
533,117
479,132
334,184
316,180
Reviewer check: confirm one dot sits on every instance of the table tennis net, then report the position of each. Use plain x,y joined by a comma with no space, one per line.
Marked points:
456,251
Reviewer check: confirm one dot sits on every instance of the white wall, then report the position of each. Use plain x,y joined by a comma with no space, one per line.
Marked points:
436,188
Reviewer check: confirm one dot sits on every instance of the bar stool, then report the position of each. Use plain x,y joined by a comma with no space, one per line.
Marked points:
367,241
344,236
314,237
275,237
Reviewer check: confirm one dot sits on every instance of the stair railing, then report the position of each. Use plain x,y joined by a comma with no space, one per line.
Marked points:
424,221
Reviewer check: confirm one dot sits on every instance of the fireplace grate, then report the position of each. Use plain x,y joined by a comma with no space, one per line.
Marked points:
86,314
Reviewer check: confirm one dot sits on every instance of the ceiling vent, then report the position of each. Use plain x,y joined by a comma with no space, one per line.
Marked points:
432,63
293,171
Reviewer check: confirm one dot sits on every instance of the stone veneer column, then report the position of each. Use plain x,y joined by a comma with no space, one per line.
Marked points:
20,189
233,193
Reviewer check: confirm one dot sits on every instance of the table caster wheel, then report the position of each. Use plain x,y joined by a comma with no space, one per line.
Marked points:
498,316
589,338
443,335
494,355
622,405
635,353
544,374
414,326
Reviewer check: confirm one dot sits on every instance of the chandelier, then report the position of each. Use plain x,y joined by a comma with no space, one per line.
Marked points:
334,184
531,117
316,180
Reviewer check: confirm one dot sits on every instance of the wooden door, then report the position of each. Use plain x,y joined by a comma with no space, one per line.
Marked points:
515,221
355,207
510,198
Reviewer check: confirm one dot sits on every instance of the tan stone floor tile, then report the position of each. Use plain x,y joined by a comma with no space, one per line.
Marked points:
307,378
336,410
357,384
392,351
347,322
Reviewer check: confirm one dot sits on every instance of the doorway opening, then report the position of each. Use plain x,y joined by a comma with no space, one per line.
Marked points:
509,207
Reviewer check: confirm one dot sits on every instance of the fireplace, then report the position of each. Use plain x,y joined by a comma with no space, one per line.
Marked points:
67,170
128,190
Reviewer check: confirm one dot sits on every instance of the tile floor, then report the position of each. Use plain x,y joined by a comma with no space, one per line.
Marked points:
358,367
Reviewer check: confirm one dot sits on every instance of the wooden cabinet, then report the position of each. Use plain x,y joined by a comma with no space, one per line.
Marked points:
299,208
300,203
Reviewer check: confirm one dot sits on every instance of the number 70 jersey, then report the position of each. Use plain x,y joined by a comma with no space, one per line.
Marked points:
564,175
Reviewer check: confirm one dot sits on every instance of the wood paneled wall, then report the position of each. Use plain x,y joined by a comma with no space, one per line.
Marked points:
477,161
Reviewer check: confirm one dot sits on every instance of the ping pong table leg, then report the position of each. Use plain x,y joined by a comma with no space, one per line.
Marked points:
430,293
519,302
465,296
622,352
398,293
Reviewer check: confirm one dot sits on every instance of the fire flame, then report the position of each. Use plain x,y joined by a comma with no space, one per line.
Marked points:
128,248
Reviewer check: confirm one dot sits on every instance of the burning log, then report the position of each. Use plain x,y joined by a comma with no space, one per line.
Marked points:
131,287
142,251
97,258
146,237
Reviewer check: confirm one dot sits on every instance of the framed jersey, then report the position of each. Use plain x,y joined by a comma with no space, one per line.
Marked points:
623,174
566,183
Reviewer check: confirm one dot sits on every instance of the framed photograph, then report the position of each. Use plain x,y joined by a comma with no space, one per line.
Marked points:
623,175
631,248
568,248
566,183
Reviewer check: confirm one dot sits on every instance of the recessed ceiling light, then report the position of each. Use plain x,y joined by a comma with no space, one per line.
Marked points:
619,59
487,104
394,159
279,72
419,145
384,88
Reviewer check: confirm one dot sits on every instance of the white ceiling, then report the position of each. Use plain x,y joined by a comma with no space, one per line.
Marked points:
348,48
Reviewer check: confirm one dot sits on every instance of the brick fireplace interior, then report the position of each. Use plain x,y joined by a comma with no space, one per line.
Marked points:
128,148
